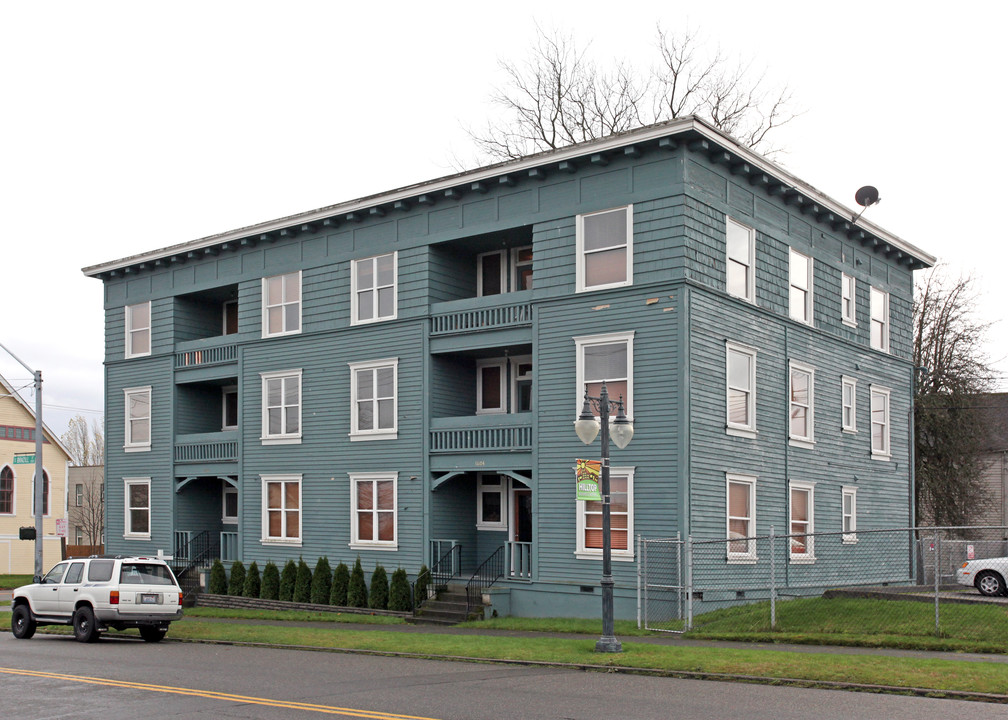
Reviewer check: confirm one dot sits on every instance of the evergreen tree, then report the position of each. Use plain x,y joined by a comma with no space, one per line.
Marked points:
303,582
287,579
218,578
321,584
252,581
378,597
340,583
270,589
236,585
399,591
357,591
422,581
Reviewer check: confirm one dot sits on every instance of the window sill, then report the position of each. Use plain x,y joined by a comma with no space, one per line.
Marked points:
741,432
617,556
130,356
849,431
498,527
292,542
363,437
132,536
136,448
609,286
850,540
802,443
292,440
371,321
849,323
266,335
802,559
884,457
373,546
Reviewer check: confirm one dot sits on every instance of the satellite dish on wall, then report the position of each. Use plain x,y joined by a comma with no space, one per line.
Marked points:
866,197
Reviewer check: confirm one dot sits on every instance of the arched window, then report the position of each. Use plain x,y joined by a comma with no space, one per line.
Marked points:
6,491
45,494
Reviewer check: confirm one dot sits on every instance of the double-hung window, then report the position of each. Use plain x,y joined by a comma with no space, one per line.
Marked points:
589,541
374,399
847,303
373,289
741,518
138,508
741,242
848,404
138,419
281,407
229,503
849,514
605,249
801,420
879,320
491,502
281,301
880,423
521,384
138,329
800,297
281,509
521,268
6,490
606,358
79,495
373,513
741,390
802,511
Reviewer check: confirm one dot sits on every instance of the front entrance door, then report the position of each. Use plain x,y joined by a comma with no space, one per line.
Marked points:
522,528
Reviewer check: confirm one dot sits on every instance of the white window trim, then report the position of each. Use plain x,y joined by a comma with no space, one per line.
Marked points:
504,490
127,524
128,445
748,557
884,334
226,491
845,382
586,553
354,302
800,440
392,433
739,429
514,264
78,495
129,331
357,544
224,314
14,491
265,308
806,558
849,538
502,256
515,363
280,438
886,453
750,295
584,341
808,319
851,318
580,263
502,381
264,519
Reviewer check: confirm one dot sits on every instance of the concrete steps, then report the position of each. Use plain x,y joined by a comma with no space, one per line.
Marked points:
448,608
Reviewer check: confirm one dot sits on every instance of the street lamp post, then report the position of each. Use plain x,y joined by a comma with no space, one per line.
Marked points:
587,426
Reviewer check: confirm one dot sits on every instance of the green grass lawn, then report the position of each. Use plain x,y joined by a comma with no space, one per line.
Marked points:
292,616
9,582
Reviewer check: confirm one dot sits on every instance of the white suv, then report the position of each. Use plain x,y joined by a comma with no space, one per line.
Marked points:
98,593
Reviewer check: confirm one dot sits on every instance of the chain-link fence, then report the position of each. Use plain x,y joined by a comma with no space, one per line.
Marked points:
877,581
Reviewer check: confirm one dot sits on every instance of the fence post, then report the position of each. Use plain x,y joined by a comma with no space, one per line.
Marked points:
679,574
937,571
689,582
773,580
641,560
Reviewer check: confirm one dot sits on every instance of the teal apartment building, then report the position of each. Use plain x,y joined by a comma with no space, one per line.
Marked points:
399,374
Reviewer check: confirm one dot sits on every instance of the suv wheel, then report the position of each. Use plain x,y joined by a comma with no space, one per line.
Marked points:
22,624
84,625
151,634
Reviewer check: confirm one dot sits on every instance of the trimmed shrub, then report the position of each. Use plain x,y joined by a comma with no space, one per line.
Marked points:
340,583
378,597
236,585
302,584
270,589
399,591
321,583
357,590
422,581
218,578
287,579
252,581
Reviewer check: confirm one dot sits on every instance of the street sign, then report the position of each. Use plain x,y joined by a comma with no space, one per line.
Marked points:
61,527
24,458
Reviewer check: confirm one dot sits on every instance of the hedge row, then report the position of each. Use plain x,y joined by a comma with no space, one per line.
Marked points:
298,583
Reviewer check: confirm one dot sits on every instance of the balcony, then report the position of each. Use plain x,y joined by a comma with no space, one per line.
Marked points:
477,322
207,448
206,359
482,434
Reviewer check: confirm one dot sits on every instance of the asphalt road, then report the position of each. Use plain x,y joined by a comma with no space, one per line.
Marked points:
56,677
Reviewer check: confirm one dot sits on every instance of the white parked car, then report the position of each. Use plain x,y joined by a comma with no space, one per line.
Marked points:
987,576
98,593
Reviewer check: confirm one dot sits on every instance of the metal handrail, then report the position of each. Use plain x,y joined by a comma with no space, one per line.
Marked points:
197,551
439,574
489,572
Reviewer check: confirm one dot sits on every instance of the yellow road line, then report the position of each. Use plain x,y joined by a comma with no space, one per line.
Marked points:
213,695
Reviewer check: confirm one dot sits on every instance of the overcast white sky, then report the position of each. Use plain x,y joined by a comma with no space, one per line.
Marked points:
130,126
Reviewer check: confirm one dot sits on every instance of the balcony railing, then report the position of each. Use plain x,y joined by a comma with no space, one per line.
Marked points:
475,319
519,560
228,546
201,353
207,447
482,433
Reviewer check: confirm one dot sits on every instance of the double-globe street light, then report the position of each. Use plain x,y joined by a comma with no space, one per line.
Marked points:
587,426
